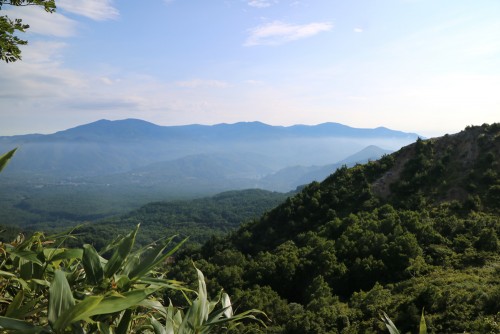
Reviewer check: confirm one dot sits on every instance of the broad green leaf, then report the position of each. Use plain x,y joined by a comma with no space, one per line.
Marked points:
154,305
120,253
111,245
164,283
423,325
26,255
236,318
199,310
16,303
122,282
41,282
226,305
67,254
23,283
92,265
20,326
124,325
176,319
38,271
215,317
157,326
152,257
60,238
25,310
25,269
173,319
60,297
35,239
4,159
192,320
202,295
77,312
121,302
6,274
133,261
389,324
104,328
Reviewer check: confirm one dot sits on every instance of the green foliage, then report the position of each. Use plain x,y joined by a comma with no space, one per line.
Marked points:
199,219
9,42
46,288
336,254
203,315
4,159
393,329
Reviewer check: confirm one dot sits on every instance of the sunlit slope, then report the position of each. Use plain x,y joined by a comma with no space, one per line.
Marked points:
416,229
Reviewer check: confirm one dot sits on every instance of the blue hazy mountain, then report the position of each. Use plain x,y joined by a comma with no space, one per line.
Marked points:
289,178
110,167
108,147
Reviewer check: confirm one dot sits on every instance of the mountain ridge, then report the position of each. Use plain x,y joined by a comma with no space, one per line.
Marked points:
118,146
138,126
98,161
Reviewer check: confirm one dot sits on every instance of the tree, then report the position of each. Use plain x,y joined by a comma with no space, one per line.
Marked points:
9,42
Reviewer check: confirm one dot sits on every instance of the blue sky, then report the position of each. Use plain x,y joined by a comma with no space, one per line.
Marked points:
425,66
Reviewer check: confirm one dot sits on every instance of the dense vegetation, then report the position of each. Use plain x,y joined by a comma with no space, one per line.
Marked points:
47,288
415,230
198,219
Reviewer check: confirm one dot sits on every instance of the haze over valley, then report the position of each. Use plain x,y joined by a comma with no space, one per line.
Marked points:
110,167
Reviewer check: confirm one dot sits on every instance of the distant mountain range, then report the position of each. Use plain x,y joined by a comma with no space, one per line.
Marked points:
111,167
107,147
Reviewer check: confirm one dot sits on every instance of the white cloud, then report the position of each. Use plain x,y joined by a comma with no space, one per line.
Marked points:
195,83
43,23
98,10
43,52
259,3
358,30
39,75
277,32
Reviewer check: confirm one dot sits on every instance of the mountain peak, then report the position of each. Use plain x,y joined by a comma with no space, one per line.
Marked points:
126,128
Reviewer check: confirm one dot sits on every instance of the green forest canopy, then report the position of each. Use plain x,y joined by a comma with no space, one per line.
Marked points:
415,230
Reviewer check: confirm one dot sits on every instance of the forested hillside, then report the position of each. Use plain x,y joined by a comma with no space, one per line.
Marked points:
198,219
416,230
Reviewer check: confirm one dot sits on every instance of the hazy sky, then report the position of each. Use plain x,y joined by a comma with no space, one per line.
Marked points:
425,66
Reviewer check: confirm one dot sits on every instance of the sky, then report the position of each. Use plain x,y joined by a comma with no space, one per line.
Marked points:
425,66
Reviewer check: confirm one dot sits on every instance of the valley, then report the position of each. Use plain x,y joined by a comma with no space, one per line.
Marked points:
108,168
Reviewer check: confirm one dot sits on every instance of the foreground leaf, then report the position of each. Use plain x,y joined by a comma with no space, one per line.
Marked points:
423,325
121,302
80,311
15,304
152,257
4,159
20,326
60,297
389,324
120,254
92,265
